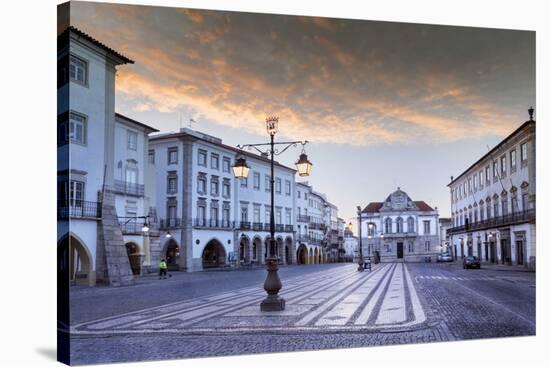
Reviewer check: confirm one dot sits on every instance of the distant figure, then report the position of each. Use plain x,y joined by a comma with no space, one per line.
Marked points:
163,269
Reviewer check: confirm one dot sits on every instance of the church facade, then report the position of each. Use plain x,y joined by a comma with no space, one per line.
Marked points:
400,229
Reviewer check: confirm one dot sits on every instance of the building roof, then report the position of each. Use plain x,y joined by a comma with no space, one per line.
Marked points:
63,38
374,207
515,132
148,129
185,132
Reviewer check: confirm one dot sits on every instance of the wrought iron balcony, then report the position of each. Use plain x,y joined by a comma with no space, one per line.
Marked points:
303,218
279,227
170,223
504,220
244,226
131,227
67,209
257,226
129,188
289,228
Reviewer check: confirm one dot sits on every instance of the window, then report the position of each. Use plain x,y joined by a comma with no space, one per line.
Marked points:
171,210
172,183
287,187
131,175
299,194
410,224
278,185
504,206
523,152
427,246
226,164
267,215
201,184
411,246
173,155
244,214
256,181
488,175
488,210
388,225
371,227
244,182
151,156
76,194
267,183
469,185
503,165
481,179
215,161
481,212
225,216
214,215
201,213
495,209
278,216
475,182
513,160
78,69
257,214
201,161
77,130
214,187
305,195
495,170
399,225
426,227
131,140
288,217
226,190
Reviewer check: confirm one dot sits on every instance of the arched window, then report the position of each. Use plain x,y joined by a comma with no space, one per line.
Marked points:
388,225
399,225
410,224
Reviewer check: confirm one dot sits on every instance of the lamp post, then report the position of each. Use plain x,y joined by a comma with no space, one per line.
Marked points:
360,262
272,284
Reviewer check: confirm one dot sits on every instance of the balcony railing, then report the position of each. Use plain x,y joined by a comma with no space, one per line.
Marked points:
244,226
170,223
289,228
131,227
303,218
279,227
78,209
129,188
257,226
504,220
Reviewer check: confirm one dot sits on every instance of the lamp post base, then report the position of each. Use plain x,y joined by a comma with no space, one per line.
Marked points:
273,303
272,286
360,265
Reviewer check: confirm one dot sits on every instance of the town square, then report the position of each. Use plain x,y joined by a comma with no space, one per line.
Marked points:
207,208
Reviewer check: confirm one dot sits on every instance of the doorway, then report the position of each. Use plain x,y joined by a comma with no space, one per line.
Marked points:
399,250
519,254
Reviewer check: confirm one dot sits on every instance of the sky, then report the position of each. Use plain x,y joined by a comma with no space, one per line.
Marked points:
382,104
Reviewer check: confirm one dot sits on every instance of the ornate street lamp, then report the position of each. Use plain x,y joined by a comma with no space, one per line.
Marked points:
303,165
240,168
272,284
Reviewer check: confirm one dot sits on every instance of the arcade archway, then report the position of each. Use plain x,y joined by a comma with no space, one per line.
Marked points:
213,255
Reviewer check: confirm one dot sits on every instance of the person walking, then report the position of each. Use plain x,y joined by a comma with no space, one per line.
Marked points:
163,269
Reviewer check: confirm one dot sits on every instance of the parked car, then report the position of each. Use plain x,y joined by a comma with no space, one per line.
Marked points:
444,258
471,262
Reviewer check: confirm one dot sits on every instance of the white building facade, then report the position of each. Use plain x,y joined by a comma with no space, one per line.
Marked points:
399,229
493,203
91,245
210,219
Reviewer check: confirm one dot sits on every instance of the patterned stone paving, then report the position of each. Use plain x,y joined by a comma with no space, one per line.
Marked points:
334,300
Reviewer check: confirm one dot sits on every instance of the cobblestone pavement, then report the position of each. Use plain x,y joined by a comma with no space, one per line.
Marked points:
328,306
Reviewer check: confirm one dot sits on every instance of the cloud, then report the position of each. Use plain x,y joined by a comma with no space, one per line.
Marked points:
334,81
